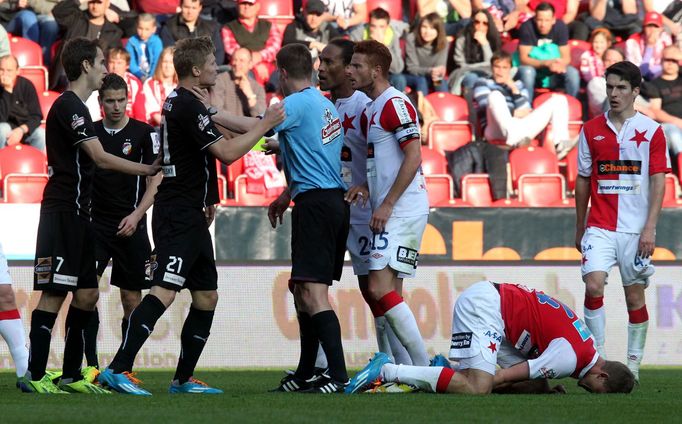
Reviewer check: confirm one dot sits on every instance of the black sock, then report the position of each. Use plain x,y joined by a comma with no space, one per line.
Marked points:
309,346
142,322
195,333
76,321
91,331
124,327
328,331
40,338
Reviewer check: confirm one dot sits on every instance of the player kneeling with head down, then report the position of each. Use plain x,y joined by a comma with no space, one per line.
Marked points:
498,324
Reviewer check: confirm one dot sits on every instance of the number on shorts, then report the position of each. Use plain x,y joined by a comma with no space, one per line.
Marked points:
60,262
364,241
382,239
173,261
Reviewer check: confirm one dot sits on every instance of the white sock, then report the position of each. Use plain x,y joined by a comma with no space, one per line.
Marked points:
404,326
321,360
381,326
636,342
13,332
400,354
596,322
426,378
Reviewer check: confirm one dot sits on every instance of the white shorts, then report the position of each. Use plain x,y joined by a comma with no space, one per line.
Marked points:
602,249
398,246
477,328
4,270
358,245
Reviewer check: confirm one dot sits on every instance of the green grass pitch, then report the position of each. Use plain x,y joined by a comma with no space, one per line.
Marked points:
246,399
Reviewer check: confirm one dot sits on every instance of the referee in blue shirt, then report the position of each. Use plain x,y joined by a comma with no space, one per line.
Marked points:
310,141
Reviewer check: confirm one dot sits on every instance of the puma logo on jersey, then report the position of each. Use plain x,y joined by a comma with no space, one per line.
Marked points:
210,131
83,132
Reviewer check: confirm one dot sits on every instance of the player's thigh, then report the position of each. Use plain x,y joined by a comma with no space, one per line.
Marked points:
65,253
633,269
178,235
130,256
358,245
599,250
398,245
203,275
477,328
508,356
104,238
319,233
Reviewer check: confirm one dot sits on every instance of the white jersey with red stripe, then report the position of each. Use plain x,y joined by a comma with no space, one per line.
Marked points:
553,337
392,125
354,151
619,165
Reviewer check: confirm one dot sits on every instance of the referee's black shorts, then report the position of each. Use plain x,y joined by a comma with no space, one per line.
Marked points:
65,253
319,229
130,255
184,250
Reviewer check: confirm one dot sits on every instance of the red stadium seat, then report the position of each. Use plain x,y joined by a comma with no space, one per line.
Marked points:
575,108
37,75
577,48
449,135
233,171
671,188
439,188
279,12
243,198
27,52
22,159
531,160
541,190
571,168
510,46
24,188
679,167
46,99
449,107
433,162
476,190
393,7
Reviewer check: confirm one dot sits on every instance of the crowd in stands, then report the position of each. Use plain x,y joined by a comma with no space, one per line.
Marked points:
498,55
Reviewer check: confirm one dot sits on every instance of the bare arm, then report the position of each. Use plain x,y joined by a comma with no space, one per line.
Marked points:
408,169
565,54
128,225
513,374
463,8
234,123
582,198
529,387
647,240
629,6
524,56
104,160
662,116
598,9
571,11
359,15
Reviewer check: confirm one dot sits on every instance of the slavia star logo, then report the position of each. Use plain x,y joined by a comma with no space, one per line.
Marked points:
348,123
492,347
639,138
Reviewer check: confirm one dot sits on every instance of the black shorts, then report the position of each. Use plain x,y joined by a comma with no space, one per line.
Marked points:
319,229
65,253
183,249
130,255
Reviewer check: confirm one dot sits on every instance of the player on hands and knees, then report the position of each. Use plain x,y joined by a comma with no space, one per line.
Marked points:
184,209
622,162
65,254
497,324
11,328
119,205
397,194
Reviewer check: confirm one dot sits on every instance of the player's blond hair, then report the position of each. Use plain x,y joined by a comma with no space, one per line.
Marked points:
191,52
621,379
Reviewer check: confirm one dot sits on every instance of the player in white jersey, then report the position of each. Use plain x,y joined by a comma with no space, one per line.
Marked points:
397,193
623,160
11,328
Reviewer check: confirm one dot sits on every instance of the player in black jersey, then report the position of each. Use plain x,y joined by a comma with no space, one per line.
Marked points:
119,205
65,254
183,210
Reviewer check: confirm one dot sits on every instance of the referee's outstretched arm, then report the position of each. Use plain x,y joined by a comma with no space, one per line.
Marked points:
229,150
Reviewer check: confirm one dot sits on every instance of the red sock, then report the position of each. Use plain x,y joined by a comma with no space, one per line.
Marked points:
377,311
444,379
594,303
638,316
389,300
13,314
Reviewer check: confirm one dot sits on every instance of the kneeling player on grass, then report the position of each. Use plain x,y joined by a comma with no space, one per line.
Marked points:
528,333
183,210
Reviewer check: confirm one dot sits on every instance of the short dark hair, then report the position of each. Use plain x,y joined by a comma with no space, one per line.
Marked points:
76,51
627,71
379,13
347,48
377,54
112,82
191,52
621,379
500,55
544,6
296,60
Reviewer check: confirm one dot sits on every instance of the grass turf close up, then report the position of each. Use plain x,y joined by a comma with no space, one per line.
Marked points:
246,399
